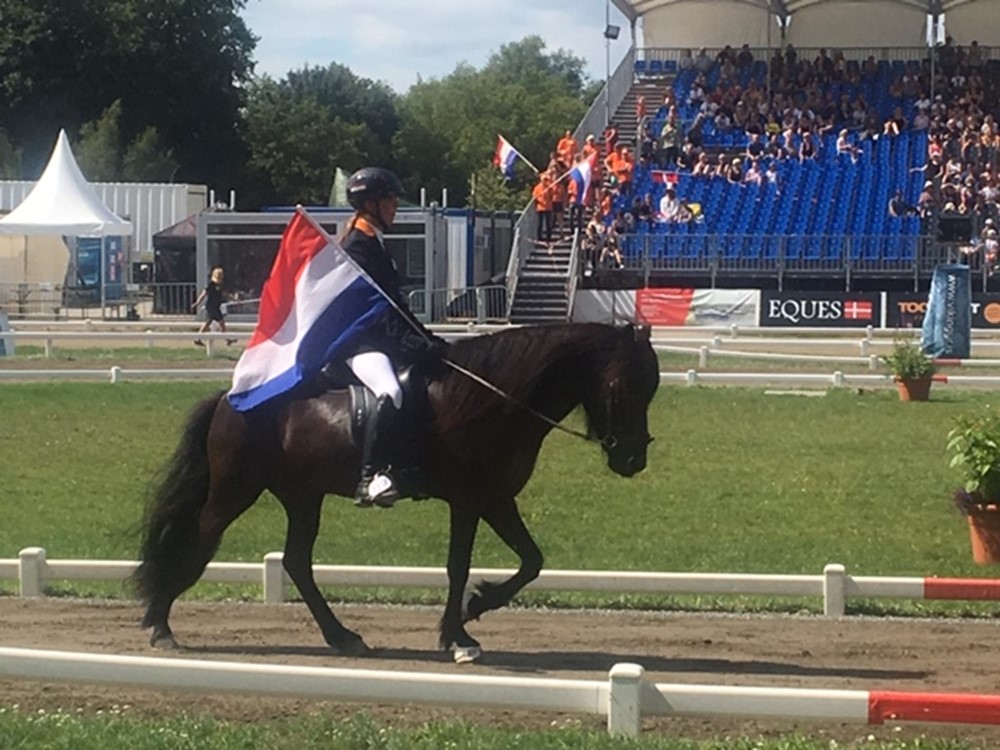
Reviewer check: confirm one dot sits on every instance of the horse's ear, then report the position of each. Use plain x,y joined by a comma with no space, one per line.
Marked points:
641,333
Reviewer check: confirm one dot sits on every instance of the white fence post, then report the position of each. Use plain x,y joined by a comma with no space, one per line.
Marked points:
116,374
703,357
625,699
48,348
838,379
274,578
31,569
692,378
834,590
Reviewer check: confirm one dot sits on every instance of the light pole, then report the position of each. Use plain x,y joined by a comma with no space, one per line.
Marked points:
610,32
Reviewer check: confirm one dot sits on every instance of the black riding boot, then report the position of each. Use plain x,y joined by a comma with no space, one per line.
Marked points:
377,486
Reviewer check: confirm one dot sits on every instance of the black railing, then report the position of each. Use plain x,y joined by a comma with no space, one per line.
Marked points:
781,256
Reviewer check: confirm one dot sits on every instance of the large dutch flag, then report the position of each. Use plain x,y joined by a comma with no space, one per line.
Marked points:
315,301
505,157
580,174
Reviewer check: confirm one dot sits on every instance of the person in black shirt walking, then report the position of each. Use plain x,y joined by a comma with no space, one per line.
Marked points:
213,298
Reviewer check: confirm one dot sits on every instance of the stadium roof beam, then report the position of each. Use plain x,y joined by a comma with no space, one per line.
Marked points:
632,9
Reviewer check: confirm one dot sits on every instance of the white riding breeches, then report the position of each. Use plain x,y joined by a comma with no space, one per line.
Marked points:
375,370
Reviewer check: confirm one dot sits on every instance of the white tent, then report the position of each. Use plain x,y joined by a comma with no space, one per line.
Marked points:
62,202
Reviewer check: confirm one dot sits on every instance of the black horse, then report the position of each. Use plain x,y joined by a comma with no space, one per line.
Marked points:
481,451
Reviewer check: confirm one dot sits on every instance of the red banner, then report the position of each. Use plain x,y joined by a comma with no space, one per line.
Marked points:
663,307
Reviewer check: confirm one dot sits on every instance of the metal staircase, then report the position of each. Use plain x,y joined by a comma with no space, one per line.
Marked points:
544,289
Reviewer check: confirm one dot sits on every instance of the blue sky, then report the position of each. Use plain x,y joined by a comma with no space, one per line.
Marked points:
397,40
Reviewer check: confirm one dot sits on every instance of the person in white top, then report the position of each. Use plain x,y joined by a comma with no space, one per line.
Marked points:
670,206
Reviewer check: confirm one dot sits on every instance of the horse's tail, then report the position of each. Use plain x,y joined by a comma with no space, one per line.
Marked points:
170,525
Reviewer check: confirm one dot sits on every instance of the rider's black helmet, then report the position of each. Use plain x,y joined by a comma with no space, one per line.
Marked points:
372,183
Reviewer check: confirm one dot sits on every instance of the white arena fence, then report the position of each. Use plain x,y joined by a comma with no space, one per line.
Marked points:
32,569
837,379
625,698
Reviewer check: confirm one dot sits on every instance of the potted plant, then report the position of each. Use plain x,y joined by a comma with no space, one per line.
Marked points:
975,446
912,370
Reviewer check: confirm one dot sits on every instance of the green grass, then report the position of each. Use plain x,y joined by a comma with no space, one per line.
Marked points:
737,481
116,730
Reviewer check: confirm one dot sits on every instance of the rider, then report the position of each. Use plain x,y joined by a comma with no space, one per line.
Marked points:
398,338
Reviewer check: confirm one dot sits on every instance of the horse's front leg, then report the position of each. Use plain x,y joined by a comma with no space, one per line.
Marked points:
303,511
505,519
464,522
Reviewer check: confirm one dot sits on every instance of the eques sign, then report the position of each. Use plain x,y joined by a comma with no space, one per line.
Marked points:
907,310
824,309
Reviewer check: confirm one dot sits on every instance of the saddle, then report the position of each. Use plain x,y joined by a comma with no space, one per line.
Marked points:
409,429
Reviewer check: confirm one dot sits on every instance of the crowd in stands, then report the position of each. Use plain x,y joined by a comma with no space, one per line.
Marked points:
796,109
733,118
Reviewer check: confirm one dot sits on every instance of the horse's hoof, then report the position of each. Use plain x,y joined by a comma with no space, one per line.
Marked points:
354,646
163,642
466,654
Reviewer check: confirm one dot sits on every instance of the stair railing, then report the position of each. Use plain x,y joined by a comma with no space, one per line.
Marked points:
525,230
574,273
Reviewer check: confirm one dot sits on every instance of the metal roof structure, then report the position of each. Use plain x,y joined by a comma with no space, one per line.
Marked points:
810,23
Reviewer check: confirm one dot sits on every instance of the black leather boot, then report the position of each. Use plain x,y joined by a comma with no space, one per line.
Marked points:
377,486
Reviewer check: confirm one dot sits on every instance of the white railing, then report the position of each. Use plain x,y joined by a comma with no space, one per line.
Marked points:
32,569
624,698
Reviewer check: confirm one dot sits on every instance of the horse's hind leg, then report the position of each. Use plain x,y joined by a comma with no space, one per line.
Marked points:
196,542
303,511
505,519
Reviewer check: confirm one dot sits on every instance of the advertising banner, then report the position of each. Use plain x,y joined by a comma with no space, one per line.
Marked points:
696,307
907,310
668,306
820,309
948,321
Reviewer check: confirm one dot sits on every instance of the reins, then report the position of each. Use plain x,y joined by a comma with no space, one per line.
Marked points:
608,441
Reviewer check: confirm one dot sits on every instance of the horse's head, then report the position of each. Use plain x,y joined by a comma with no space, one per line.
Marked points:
627,379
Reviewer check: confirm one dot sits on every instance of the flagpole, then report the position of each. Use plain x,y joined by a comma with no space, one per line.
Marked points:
457,368
525,160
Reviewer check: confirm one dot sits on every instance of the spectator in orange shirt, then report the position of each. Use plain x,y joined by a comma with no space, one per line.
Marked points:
566,149
624,170
605,204
590,150
542,194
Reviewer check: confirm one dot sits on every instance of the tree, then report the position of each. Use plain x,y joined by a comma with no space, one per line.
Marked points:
494,193
10,158
352,99
176,65
145,161
448,127
296,145
99,152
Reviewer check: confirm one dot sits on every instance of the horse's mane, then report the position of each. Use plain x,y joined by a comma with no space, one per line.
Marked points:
515,361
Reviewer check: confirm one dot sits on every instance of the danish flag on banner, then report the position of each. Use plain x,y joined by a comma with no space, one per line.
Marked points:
858,310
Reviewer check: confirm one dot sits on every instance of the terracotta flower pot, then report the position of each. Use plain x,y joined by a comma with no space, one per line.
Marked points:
914,389
984,533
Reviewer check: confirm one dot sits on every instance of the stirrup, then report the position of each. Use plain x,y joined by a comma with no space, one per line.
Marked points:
380,491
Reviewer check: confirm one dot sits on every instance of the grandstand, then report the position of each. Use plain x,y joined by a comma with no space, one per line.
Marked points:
817,67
